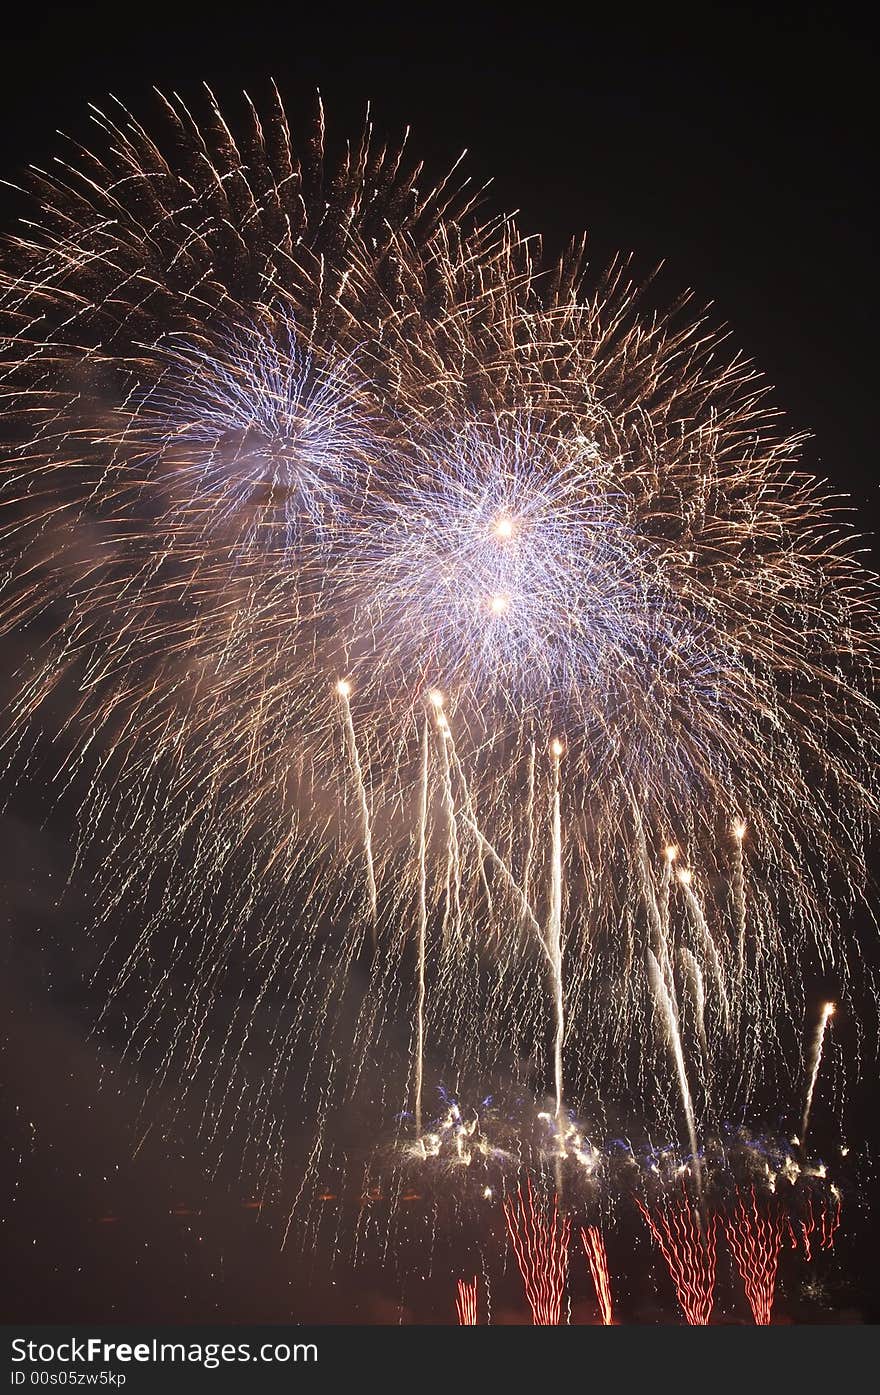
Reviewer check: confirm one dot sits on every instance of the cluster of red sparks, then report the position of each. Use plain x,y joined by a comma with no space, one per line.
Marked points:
466,1302
754,1234
594,1248
687,1242
540,1243
826,1227
685,1232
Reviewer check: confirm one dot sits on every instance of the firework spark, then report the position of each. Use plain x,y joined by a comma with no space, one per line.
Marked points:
815,1062
466,1302
830,1218
687,1240
594,1249
807,1228
328,511
540,1237
754,1234
343,688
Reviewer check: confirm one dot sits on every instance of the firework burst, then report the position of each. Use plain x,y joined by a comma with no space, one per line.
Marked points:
456,673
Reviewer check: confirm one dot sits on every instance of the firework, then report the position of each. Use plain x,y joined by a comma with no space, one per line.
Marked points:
466,1302
344,690
754,1234
553,940
808,1227
456,675
686,1239
540,1236
815,1062
816,1221
594,1249
830,1218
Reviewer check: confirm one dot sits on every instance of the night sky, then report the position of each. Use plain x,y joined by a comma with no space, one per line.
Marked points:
731,146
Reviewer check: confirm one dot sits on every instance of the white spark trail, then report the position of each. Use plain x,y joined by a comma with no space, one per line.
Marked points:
668,1013
739,896
554,934
701,924
344,691
453,852
815,1062
692,968
422,932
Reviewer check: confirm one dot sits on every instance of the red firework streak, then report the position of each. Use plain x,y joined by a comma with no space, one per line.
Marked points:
540,1243
755,1237
594,1248
826,1227
830,1220
687,1243
807,1228
466,1302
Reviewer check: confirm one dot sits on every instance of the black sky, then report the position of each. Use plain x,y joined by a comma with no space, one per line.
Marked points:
733,145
